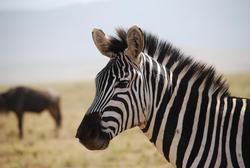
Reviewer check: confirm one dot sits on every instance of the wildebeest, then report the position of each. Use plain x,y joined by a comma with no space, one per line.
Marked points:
23,99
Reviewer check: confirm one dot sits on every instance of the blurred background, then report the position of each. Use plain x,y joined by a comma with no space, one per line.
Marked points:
48,44
53,37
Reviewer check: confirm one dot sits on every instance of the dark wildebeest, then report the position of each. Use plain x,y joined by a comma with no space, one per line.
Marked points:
21,99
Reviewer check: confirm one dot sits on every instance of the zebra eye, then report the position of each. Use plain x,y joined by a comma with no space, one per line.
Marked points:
122,84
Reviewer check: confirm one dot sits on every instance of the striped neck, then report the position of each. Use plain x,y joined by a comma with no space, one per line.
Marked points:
159,84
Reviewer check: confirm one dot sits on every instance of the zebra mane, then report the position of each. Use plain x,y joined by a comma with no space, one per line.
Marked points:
162,50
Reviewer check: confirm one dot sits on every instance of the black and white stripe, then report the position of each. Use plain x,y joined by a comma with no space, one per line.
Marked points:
182,106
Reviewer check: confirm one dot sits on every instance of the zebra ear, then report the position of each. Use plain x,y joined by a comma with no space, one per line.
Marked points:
101,42
135,40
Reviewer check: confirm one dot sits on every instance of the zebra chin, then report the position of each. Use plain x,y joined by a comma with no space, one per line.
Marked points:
90,134
95,144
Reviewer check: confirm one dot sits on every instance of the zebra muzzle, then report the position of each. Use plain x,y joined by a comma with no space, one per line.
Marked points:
89,133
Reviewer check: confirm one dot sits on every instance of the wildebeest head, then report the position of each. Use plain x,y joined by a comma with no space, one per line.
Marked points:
55,109
57,117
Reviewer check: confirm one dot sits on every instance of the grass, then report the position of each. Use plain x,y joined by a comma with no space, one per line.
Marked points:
41,149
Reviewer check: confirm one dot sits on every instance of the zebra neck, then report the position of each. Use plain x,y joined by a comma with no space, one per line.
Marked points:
170,102
159,89
189,122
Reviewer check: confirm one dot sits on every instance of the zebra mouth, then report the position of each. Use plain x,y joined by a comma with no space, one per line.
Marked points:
99,143
103,146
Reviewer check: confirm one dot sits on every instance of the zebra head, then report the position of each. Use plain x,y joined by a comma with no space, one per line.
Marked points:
120,97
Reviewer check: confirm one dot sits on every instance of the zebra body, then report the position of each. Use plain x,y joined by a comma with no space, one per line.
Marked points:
182,106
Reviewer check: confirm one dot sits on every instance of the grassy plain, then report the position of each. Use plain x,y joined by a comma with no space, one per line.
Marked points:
41,149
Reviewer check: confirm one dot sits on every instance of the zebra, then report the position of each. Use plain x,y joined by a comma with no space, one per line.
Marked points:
183,106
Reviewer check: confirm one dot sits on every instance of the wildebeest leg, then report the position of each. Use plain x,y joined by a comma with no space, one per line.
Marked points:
20,123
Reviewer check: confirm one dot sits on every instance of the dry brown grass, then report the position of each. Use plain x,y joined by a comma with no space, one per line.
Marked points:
41,149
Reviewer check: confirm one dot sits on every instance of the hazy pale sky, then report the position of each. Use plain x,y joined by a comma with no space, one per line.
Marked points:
40,4
50,40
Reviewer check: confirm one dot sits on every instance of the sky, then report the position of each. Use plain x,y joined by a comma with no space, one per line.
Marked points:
40,4
50,40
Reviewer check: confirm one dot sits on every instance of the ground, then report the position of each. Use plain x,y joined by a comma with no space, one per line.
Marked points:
40,148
